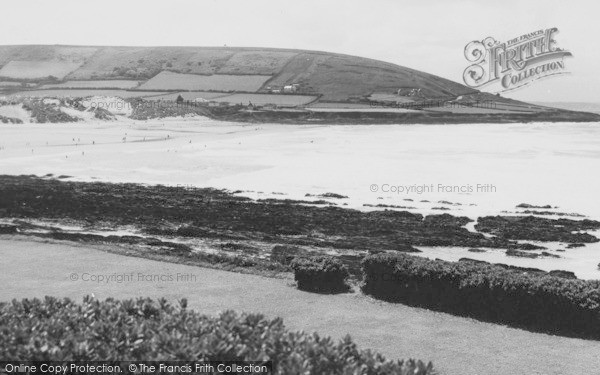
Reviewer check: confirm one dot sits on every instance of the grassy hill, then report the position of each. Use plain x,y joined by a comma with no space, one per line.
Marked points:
334,77
316,86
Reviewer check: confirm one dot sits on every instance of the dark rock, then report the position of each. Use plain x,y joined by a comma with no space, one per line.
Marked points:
446,220
8,229
239,247
475,250
575,245
563,274
284,254
388,206
521,254
405,248
522,269
191,231
449,203
526,247
550,255
550,213
292,201
473,261
527,205
538,229
327,195
212,213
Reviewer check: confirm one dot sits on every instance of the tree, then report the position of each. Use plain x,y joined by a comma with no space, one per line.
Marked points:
179,99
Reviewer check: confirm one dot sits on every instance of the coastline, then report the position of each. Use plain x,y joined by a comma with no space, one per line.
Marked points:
400,118
206,226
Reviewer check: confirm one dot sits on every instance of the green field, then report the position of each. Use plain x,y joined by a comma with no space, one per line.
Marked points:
110,84
262,99
9,83
475,110
335,77
65,93
188,95
37,69
176,81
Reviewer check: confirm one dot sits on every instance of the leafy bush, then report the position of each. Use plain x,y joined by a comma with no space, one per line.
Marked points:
44,113
112,330
320,274
489,292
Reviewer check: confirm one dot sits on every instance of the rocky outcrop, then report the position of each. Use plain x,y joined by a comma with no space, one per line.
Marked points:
538,229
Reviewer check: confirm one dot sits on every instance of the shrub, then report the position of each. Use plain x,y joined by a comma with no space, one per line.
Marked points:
532,300
113,330
321,274
44,113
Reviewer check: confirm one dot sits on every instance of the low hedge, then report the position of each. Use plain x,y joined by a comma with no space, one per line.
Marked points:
322,274
128,330
487,292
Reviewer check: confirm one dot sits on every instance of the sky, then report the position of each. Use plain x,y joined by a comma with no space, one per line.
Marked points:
428,35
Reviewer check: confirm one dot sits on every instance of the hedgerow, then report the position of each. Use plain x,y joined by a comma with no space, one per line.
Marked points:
488,292
321,274
143,329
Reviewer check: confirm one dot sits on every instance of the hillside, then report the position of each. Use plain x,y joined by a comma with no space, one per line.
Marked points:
335,77
245,84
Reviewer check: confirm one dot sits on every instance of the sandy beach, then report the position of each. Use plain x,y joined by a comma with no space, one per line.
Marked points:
539,164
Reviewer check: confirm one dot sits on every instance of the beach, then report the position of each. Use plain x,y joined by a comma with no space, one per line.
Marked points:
376,167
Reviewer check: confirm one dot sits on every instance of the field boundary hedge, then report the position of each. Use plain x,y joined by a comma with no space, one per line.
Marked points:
322,274
488,292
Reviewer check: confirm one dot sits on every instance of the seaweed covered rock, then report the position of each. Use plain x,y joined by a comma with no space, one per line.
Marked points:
538,229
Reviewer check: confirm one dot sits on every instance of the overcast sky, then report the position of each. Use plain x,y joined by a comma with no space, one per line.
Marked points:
428,35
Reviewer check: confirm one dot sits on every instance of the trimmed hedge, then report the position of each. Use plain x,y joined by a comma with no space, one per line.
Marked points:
487,292
322,274
128,330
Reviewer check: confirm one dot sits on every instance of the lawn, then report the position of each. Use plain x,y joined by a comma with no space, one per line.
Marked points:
457,346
